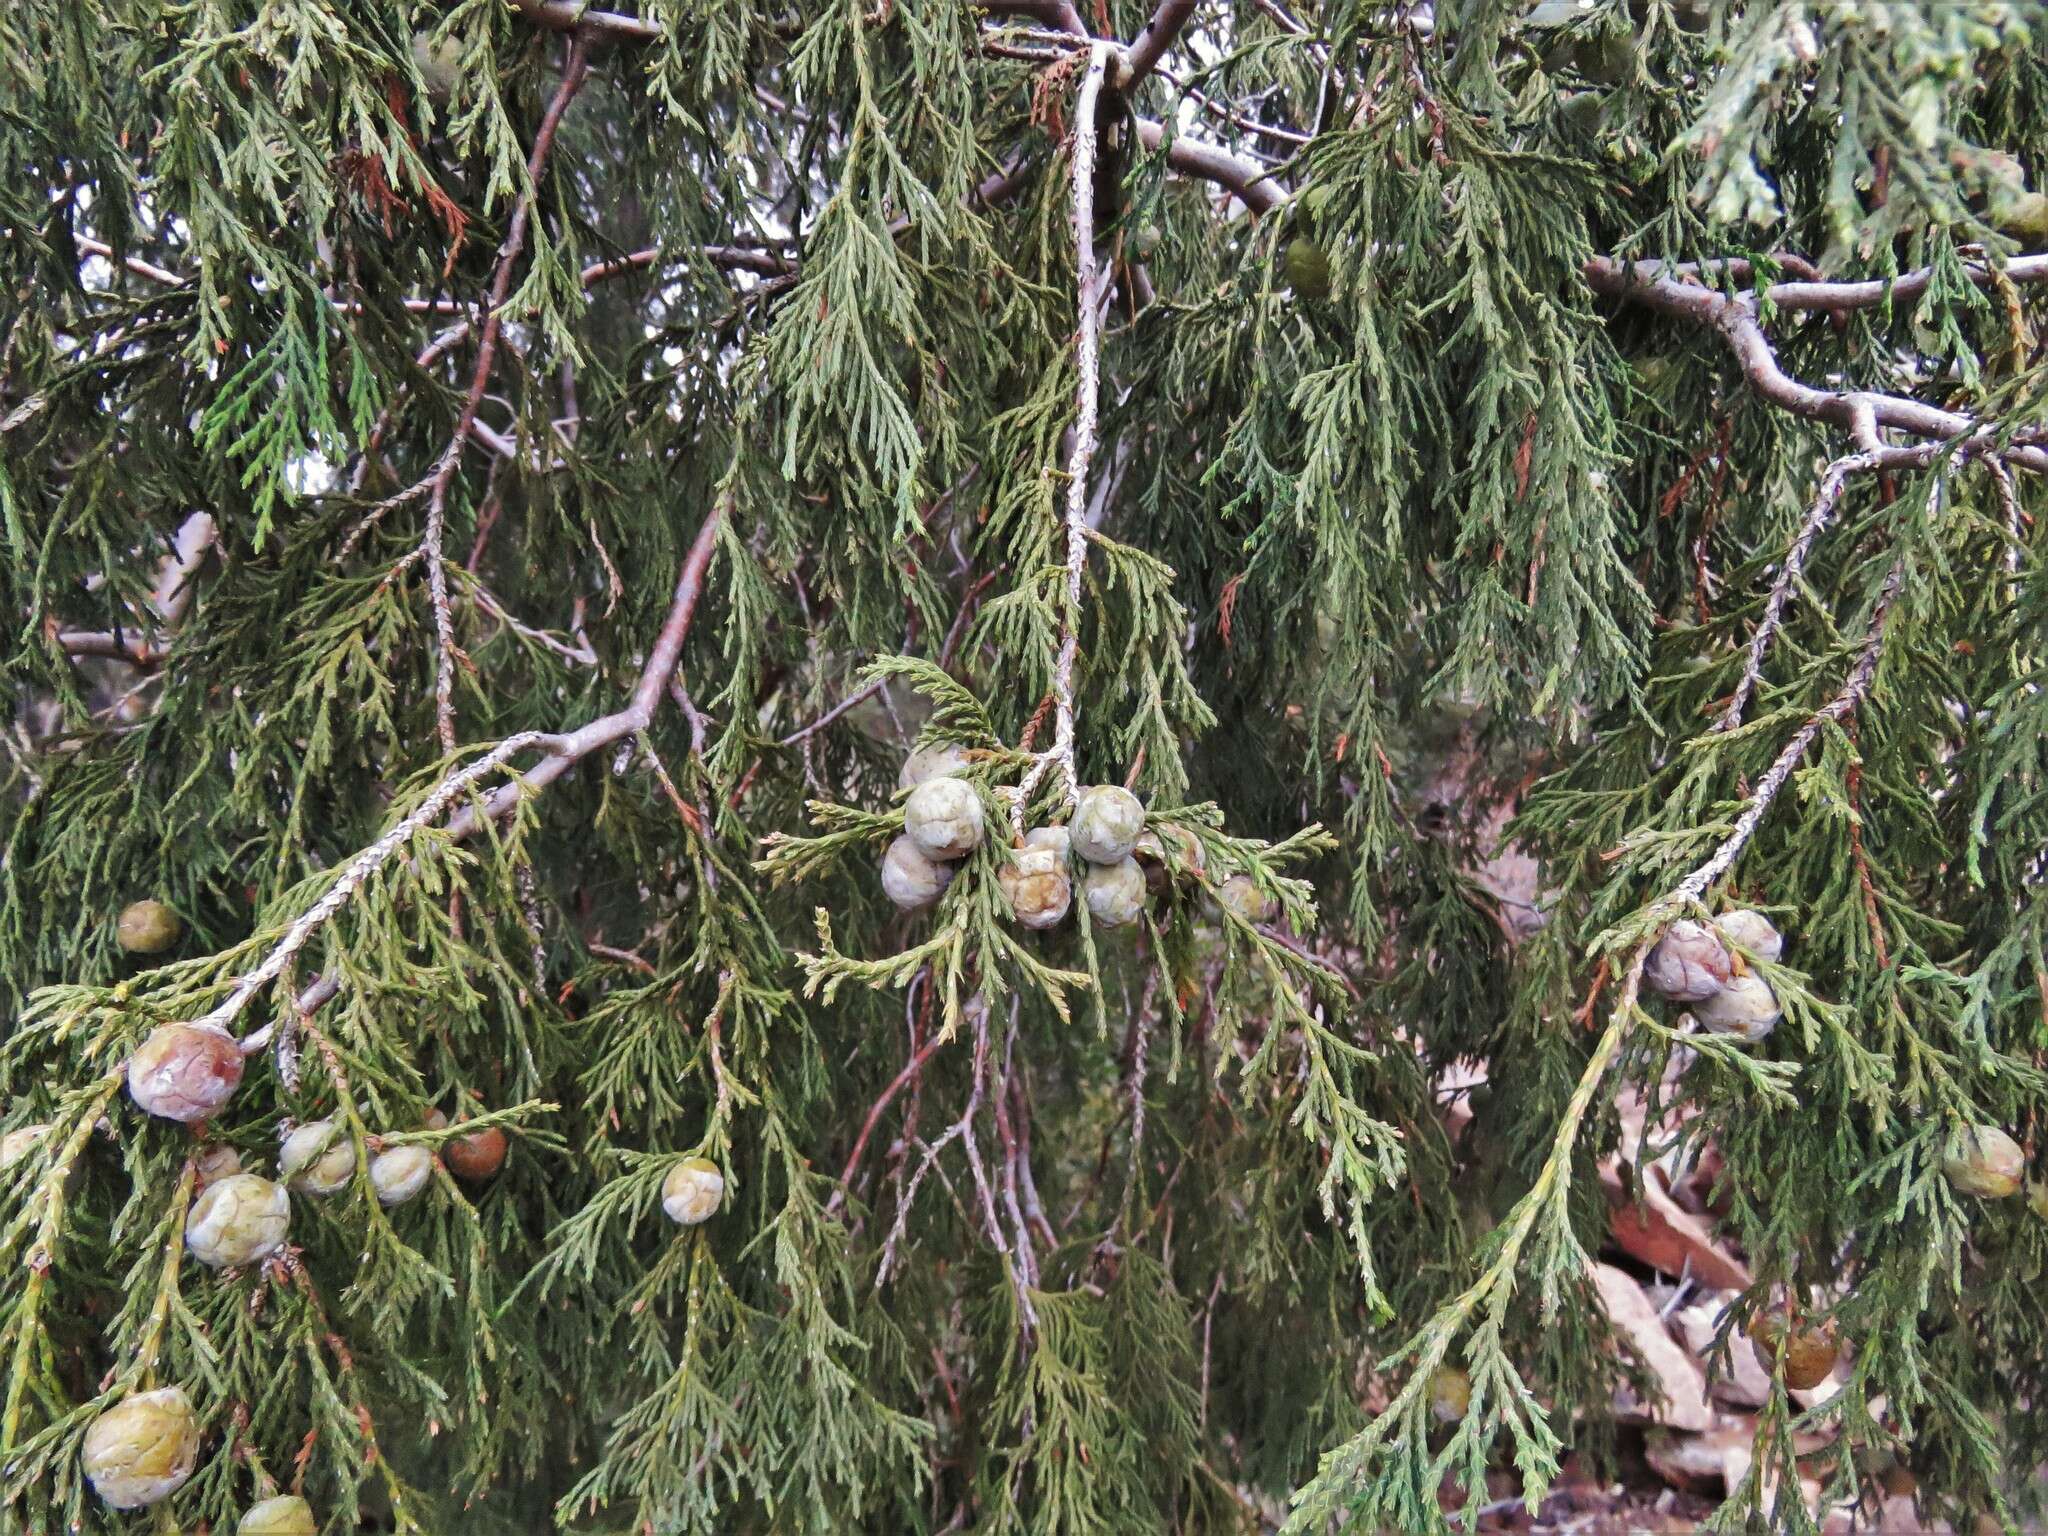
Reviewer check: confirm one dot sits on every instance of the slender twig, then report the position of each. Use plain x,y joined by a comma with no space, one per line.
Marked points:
134,264
1831,296
1829,496
1141,1039
453,336
1833,480
961,1130
1208,1322
506,446
629,957
574,72
1289,22
1034,1205
856,699
564,752
1223,113
990,1221
647,691
996,48
897,1084
580,654
1007,1133
731,257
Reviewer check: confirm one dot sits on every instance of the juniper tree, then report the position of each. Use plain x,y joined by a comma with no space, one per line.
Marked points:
495,492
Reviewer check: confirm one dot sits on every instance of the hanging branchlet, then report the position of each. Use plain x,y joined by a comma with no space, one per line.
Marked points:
1090,295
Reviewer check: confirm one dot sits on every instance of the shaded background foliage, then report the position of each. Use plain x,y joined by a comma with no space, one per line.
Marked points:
1478,530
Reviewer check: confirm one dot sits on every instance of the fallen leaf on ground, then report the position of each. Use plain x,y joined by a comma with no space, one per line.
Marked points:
1664,1235
1683,1383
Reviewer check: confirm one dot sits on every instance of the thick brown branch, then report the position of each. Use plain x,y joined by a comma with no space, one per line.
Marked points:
1058,14
639,712
1143,56
135,648
567,16
1815,293
1252,183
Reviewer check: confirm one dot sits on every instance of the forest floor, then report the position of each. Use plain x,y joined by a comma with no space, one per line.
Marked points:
1640,1504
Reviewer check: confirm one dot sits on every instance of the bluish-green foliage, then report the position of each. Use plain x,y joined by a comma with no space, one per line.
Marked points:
1161,1228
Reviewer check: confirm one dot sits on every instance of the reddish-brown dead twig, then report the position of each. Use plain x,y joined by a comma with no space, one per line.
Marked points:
887,1096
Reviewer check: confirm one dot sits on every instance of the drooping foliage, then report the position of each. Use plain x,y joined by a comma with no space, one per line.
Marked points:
492,492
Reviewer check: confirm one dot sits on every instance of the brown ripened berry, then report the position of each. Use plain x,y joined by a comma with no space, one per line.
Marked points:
477,1156
1037,885
1810,1349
